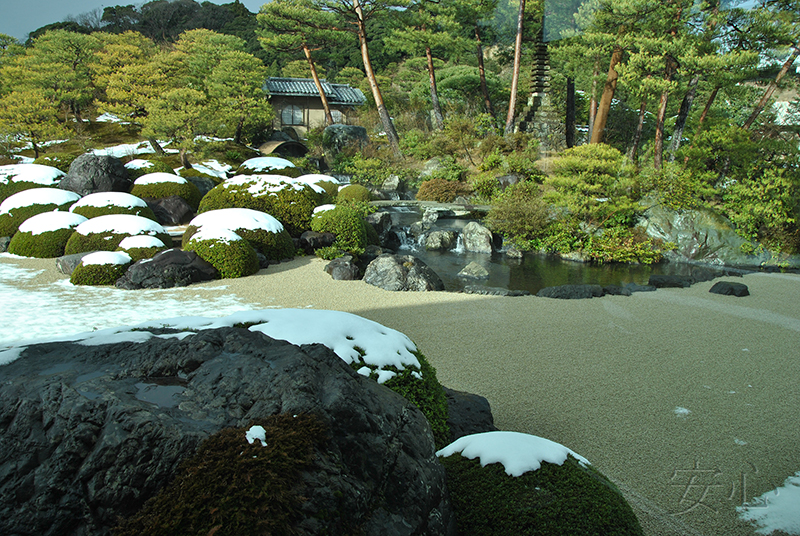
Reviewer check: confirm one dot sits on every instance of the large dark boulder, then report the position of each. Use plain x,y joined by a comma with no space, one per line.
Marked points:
172,210
311,241
343,269
169,268
468,414
729,288
402,272
571,292
90,173
89,433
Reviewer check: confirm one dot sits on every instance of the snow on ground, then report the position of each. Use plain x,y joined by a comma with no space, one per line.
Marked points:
776,510
519,453
214,168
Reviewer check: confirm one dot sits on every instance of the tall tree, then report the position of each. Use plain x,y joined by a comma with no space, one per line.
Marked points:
512,101
27,114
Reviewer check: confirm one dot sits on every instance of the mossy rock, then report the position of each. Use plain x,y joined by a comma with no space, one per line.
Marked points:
60,161
274,246
105,233
572,498
160,190
246,487
98,274
155,166
290,202
354,192
141,247
45,235
230,254
106,203
23,205
348,224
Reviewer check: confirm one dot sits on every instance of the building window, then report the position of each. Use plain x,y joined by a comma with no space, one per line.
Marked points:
292,115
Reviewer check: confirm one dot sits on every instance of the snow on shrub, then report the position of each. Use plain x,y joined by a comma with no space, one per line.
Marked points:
22,205
105,203
101,268
262,231
17,177
328,183
105,233
139,167
141,246
45,235
267,164
291,202
162,185
229,253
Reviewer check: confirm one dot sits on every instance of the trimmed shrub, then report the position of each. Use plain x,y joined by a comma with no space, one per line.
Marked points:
519,214
268,165
45,235
60,161
347,223
105,233
141,247
25,204
229,482
106,203
160,186
101,268
292,203
229,253
571,498
354,192
138,168
264,232
442,190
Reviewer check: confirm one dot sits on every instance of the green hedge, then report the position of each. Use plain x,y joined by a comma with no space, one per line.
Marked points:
157,167
442,190
231,257
90,211
60,161
10,221
106,241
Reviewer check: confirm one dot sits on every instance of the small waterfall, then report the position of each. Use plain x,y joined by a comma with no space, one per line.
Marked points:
407,240
459,245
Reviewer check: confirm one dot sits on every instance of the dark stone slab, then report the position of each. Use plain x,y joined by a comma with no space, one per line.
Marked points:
571,292
494,291
671,281
728,288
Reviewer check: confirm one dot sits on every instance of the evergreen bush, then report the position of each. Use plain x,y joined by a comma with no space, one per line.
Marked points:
346,221
442,190
354,192
230,254
152,166
261,230
60,161
520,214
102,268
105,233
45,235
27,203
141,247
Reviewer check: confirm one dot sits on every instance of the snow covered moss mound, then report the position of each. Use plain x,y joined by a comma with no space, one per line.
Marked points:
328,183
141,247
100,268
45,235
139,166
262,231
268,164
105,233
17,177
25,204
162,185
291,202
509,484
105,203
228,252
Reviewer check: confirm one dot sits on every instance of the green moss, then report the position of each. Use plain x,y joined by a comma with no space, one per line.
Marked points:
45,245
137,254
190,173
187,191
7,189
97,274
232,259
61,161
354,192
235,487
331,191
80,243
90,212
553,500
10,221
274,246
346,221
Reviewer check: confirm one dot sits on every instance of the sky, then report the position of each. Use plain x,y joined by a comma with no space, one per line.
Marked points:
18,19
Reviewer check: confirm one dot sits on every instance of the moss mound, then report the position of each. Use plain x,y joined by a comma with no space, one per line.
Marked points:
354,192
45,245
60,161
105,233
553,500
141,247
245,488
229,253
274,246
26,204
160,190
151,166
346,221
105,203
291,203
98,274
16,178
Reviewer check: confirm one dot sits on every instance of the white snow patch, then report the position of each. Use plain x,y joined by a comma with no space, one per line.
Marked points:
51,221
324,208
35,173
257,432
260,185
264,163
106,257
141,241
775,510
139,163
109,199
313,178
214,168
37,196
212,232
739,442
238,218
681,412
159,177
519,453
108,118
128,149
120,224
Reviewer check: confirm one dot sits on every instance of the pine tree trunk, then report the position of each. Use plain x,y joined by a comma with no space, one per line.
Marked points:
438,118
482,74
570,119
658,143
772,86
633,154
322,96
683,115
237,136
35,149
608,95
386,120
156,146
185,159
512,102
703,115
593,99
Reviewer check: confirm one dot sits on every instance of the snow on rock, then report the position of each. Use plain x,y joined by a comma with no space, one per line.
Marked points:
139,163
776,510
141,241
106,257
37,196
35,173
519,453
109,199
120,224
51,221
159,177
238,218
256,433
263,163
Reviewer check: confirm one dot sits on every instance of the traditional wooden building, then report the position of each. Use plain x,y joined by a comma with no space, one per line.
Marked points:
298,106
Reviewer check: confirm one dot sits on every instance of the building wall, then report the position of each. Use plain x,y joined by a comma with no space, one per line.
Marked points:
313,114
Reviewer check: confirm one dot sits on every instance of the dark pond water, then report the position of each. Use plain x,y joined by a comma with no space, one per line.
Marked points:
532,272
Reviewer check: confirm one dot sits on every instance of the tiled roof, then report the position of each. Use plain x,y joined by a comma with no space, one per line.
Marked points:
304,87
